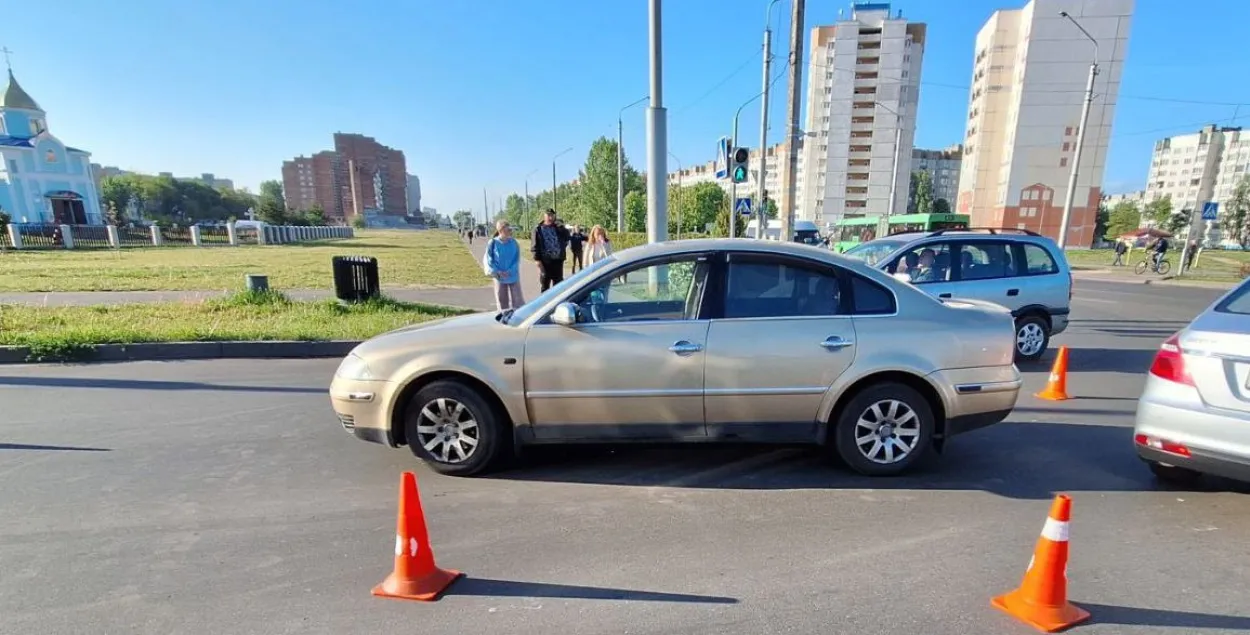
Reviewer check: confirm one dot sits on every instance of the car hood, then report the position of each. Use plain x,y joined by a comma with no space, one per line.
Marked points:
449,331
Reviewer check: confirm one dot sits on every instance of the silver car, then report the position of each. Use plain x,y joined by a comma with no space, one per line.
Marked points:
694,340
1019,269
1194,414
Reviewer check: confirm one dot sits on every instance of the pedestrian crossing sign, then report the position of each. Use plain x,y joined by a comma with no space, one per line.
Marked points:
743,206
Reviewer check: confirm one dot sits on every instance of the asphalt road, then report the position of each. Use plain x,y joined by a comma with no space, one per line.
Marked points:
221,497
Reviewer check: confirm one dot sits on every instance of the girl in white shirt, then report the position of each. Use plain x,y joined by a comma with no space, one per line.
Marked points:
598,246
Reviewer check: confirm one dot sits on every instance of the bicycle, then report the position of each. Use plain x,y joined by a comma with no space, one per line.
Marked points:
1162,267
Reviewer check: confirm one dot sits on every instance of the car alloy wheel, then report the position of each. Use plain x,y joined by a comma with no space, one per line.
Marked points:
1029,339
887,431
448,430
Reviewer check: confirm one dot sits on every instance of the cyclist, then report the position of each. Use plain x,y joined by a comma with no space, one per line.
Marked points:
1160,250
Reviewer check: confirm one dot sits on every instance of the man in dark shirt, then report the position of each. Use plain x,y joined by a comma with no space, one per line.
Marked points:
576,240
547,248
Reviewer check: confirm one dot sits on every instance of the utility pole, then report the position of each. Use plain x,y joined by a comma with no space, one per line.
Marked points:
1080,137
555,197
485,203
792,123
657,135
620,166
762,191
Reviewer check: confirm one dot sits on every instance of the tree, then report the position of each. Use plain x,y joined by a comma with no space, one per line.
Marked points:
315,215
114,215
359,222
941,206
1178,222
702,203
636,211
770,208
1101,218
1158,210
270,205
722,223
1122,219
463,219
1235,217
923,192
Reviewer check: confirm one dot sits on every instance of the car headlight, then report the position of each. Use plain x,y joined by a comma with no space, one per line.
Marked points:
353,367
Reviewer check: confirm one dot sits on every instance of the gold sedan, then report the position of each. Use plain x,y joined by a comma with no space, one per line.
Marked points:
697,340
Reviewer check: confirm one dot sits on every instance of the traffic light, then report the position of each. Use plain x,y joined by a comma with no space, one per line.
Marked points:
738,165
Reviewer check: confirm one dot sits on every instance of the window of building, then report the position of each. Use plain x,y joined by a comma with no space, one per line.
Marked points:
37,126
1063,162
1066,146
1067,132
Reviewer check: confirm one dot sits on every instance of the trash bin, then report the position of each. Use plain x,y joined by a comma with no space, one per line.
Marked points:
356,278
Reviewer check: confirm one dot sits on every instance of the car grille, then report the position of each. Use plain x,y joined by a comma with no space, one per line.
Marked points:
348,421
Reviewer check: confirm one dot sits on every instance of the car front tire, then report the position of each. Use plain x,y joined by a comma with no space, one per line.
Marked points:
884,429
1032,338
453,429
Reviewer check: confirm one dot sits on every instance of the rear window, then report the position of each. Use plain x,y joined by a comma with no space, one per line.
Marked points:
1038,261
1237,302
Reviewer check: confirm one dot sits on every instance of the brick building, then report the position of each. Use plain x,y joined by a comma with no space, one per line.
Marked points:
316,179
381,172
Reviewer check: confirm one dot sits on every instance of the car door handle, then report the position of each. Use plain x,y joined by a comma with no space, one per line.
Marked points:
1013,292
683,347
834,343
944,295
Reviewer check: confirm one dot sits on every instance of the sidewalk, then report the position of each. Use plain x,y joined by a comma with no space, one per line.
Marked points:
1126,276
476,298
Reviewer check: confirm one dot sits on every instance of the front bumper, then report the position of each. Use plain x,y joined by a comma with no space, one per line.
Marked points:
1216,443
361,409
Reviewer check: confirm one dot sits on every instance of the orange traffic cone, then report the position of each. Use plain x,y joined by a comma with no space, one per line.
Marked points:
1057,385
415,576
1042,599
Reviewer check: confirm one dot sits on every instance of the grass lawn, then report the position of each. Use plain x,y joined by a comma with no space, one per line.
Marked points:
405,258
59,331
1213,265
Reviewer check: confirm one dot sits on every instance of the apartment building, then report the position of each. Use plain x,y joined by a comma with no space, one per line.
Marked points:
1137,198
1028,82
414,194
316,180
381,173
863,88
943,169
1195,168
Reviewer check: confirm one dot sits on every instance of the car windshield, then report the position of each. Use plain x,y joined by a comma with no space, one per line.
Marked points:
874,251
1237,302
526,310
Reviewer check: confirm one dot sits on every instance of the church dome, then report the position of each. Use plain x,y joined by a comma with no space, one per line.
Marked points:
15,97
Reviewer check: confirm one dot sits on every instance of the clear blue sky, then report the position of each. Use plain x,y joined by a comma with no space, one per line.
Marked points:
478,93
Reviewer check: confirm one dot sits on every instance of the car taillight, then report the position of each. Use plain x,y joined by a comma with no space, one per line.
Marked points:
1070,287
1169,362
1171,447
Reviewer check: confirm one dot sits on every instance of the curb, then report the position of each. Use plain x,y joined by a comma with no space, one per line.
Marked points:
164,351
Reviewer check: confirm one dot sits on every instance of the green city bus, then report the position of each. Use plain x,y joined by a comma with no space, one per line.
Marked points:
850,232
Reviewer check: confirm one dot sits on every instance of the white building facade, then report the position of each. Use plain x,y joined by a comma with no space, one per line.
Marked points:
1196,168
1028,83
863,89
414,193
943,169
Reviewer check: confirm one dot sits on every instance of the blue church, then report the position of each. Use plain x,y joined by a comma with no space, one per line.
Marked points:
41,179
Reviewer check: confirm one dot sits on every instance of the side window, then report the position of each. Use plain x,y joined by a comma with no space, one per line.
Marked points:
926,263
1038,261
760,288
669,290
870,297
983,260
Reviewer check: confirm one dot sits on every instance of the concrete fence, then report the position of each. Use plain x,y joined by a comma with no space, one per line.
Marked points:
52,236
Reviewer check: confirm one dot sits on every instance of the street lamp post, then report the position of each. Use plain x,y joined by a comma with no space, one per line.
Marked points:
680,211
733,187
528,211
555,197
768,56
1080,136
898,146
620,166
657,133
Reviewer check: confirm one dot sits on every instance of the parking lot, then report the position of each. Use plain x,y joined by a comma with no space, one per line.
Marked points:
222,497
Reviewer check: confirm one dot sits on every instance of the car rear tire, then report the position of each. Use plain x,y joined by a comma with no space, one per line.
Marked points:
1173,474
454,429
1032,338
884,429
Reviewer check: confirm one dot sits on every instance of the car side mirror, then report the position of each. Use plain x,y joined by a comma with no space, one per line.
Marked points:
565,314
902,277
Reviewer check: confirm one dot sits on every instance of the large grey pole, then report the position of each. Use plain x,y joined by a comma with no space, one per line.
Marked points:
794,82
1080,136
1076,157
620,176
761,190
898,145
525,218
657,137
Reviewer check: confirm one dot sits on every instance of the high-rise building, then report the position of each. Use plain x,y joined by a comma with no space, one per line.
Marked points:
863,88
316,180
414,194
1028,83
374,163
943,169
1193,169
